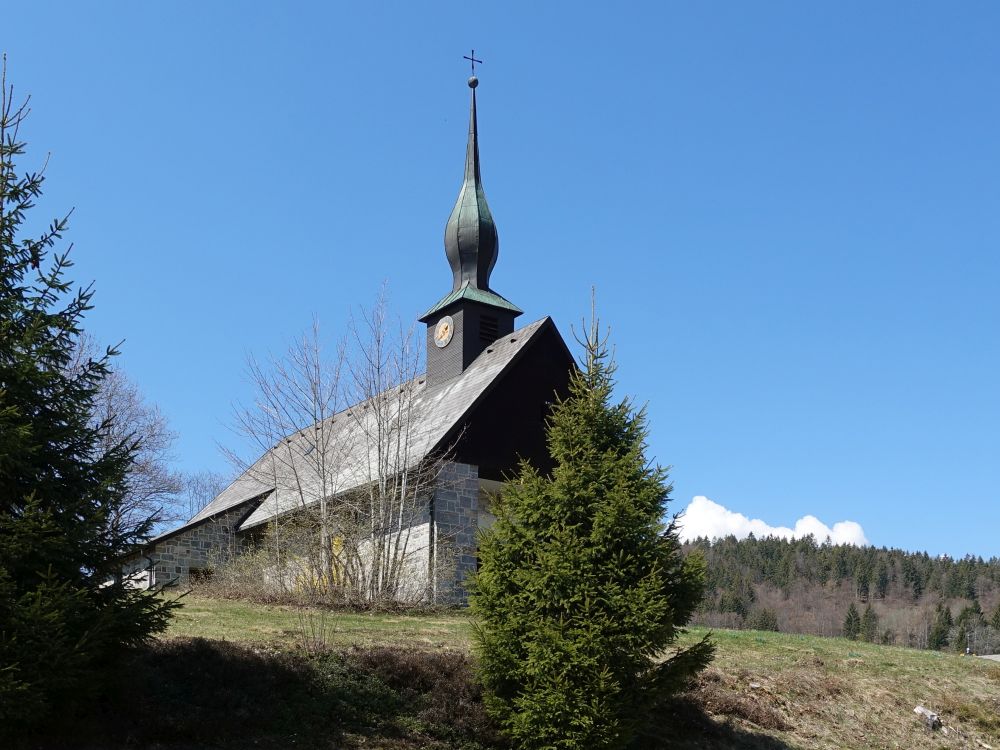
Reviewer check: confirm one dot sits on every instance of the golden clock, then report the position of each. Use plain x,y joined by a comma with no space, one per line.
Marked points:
443,331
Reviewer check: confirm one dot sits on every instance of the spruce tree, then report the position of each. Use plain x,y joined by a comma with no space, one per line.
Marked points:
63,615
852,623
582,585
763,619
869,624
971,616
961,640
995,617
940,632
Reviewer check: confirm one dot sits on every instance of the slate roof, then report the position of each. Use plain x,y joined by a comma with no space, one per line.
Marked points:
438,412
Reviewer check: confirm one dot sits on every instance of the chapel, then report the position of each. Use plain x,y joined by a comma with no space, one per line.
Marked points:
482,403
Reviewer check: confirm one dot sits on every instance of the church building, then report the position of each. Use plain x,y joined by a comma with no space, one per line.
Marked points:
482,403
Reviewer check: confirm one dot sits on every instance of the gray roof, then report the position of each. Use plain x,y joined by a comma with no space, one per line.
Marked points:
437,413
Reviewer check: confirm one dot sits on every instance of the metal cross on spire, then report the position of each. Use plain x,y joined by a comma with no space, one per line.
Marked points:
472,59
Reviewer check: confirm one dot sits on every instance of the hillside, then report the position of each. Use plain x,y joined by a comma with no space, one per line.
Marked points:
230,674
801,586
812,692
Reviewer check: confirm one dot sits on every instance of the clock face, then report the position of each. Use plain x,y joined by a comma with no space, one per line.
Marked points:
443,331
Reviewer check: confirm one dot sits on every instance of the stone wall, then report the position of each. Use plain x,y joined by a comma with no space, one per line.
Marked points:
456,513
456,518
198,548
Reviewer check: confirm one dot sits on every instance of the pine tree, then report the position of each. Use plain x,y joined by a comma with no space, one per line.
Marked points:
852,623
869,625
581,584
995,617
63,617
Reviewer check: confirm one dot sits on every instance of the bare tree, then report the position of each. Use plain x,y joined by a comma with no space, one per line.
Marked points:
153,488
339,442
391,502
292,424
200,488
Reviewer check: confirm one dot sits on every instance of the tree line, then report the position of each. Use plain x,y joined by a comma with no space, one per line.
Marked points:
875,593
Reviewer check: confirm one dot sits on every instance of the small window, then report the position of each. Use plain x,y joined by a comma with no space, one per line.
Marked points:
489,329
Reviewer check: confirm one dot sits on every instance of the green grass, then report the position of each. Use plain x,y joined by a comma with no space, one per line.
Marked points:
763,690
232,620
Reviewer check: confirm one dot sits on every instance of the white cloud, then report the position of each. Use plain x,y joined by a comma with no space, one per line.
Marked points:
705,518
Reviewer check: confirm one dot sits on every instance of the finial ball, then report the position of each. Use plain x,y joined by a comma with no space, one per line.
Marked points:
473,82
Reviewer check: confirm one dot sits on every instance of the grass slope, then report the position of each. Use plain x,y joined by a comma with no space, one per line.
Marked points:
224,619
763,689
231,674
812,692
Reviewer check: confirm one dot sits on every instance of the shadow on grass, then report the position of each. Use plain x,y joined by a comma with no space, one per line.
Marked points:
691,728
195,693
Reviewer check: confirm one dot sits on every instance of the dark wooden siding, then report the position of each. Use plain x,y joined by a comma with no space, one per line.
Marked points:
508,424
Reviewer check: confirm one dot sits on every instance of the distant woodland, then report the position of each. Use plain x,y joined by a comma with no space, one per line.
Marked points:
875,594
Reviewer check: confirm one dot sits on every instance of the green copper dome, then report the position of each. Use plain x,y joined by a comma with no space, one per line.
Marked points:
470,237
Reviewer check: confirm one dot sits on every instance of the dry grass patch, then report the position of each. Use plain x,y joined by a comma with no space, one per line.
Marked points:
834,693
736,697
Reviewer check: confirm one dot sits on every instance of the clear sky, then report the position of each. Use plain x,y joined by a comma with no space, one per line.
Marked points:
791,213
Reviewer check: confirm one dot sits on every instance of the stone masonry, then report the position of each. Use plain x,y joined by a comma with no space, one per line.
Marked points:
456,517
197,548
456,513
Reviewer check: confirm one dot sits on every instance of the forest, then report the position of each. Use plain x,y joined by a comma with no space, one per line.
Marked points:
876,594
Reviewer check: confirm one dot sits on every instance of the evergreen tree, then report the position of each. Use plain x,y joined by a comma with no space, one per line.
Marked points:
940,632
995,617
869,625
852,623
763,619
881,579
582,586
971,616
63,616
961,640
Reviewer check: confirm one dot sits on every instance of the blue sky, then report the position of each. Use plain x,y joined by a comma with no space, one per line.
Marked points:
791,213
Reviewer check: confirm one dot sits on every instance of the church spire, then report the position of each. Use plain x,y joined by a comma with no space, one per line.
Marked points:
471,316
470,237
